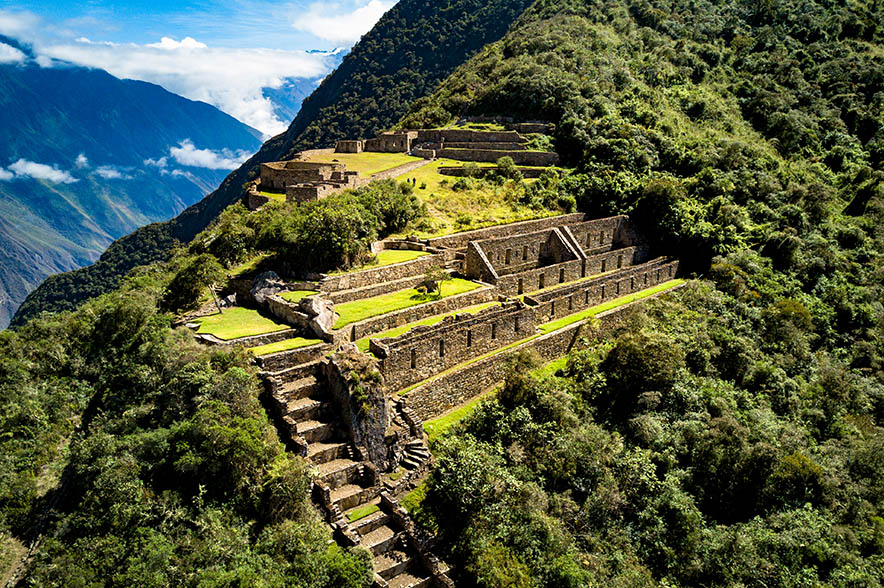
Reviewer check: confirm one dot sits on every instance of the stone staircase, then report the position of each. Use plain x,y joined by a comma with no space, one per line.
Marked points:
309,423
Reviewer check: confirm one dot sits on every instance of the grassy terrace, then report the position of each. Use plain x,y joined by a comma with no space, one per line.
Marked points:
366,163
385,257
362,512
564,284
278,196
555,326
296,295
362,344
238,322
285,345
352,312
436,427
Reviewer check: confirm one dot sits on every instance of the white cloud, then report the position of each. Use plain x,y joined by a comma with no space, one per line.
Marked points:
82,161
338,24
230,79
40,171
5,175
109,172
15,23
9,54
187,154
160,163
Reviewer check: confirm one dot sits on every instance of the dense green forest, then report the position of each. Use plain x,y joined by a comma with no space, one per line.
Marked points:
404,57
732,435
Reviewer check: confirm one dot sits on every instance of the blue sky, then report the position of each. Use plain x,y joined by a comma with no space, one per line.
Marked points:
222,53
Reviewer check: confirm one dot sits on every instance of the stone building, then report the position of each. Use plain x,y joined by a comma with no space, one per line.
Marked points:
303,181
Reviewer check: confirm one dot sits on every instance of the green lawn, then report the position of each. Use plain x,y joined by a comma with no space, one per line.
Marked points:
362,344
238,322
366,163
285,345
611,304
352,312
436,427
296,295
278,196
248,265
362,512
385,257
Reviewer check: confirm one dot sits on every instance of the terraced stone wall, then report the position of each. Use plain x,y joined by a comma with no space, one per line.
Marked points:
605,232
565,301
460,240
540,158
386,273
425,351
468,136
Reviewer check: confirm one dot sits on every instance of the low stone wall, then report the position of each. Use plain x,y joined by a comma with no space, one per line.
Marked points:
599,233
566,301
467,136
490,145
460,240
415,313
342,296
540,158
286,359
438,396
459,172
507,254
253,341
400,170
542,277
381,274
427,350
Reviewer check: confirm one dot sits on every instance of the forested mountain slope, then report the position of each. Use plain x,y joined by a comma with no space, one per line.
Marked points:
411,49
73,146
730,435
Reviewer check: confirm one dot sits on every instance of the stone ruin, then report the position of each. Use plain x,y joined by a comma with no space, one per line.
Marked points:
358,417
301,181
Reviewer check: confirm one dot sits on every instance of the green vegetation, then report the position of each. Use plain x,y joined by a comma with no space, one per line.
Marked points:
437,427
238,322
362,512
606,306
296,295
352,312
143,458
387,257
366,163
362,344
284,345
277,196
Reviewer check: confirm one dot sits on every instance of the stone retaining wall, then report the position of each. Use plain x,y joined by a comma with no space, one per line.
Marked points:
460,240
342,296
459,172
427,350
566,301
415,313
440,395
467,136
387,273
541,158
400,170
286,359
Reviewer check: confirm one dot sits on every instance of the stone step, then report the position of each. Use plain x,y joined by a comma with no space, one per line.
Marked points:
348,496
311,368
339,472
313,431
300,388
368,524
415,443
321,452
409,580
392,563
410,464
380,540
305,409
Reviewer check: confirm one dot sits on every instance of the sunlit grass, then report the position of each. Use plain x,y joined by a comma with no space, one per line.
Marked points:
362,512
352,312
435,428
238,322
296,295
366,163
386,257
285,345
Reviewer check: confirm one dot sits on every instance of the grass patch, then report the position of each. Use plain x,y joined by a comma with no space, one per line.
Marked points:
278,196
296,295
552,367
385,257
249,266
352,312
362,344
366,163
436,427
413,500
238,322
609,305
362,512
286,345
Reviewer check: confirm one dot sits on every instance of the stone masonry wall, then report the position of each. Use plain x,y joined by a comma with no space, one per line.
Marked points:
386,273
468,136
342,296
598,233
392,320
425,351
460,240
565,301
507,254
540,278
540,158
445,392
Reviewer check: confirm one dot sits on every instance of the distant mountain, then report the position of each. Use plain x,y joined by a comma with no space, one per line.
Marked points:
411,49
86,158
287,99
